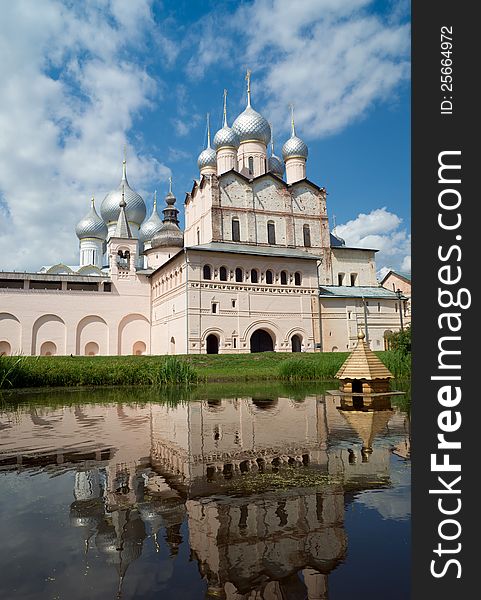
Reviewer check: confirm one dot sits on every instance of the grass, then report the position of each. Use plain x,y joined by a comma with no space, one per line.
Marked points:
72,371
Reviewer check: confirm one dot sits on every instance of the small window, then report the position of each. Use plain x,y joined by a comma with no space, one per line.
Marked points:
214,308
254,276
239,276
283,277
271,233
234,342
378,307
349,314
251,165
198,238
340,279
107,286
307,236
235,230
353,278
223,274
297,278
207,272
269,277
234,302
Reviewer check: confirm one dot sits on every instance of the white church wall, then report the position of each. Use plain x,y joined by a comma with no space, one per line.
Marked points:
355,261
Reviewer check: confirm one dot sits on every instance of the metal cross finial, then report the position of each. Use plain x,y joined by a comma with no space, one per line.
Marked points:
272,139
248,79
334,222
170,185
155,199
225,108
208,130
93,202
124,163
293,128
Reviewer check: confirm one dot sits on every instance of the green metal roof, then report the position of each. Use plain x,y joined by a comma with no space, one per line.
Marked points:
356,291
257,250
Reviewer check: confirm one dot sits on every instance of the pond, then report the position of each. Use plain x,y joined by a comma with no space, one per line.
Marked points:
238,492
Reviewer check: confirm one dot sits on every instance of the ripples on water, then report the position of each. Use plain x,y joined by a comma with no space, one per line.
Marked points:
270,495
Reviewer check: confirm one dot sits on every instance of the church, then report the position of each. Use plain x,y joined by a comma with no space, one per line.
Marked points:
255,269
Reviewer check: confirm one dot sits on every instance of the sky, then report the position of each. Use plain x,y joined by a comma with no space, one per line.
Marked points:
82,82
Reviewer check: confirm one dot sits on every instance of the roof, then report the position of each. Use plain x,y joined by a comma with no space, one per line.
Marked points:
343,247
256,250
362,363
357,291
401,274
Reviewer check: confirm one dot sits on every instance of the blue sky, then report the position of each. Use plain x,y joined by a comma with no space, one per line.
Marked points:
83,79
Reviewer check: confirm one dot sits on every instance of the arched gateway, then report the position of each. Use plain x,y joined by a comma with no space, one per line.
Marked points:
261,341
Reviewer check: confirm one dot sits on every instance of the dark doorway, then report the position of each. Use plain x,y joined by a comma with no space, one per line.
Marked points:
296,343
261,341
357,386
212,344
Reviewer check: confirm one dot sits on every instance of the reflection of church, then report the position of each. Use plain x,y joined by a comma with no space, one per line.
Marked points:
203,463
256,267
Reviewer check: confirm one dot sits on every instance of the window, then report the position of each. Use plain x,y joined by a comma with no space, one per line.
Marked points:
239,276
215,307
307,236
234,342
198,237
269,277
251,165
107,286
271,232
254,276
353,278
378,307
340,279
207,272
234,302
235,230
283,277
223,274
297,278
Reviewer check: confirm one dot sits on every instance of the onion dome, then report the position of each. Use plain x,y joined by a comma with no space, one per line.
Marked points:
151,225
135,205
208,157
294,147
250,125
91,226
169,235
226,137
275,164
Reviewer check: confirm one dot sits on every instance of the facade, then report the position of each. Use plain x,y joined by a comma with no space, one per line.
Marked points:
255,269
400,281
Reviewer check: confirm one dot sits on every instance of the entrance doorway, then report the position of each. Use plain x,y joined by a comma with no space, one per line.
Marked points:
212,343
296,343
261,341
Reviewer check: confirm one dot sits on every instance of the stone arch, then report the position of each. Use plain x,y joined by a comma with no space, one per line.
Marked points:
49,328
296,343
11,333
133,328
269,326
5,348
218,333
261,340
91,349
92,328
139,348
48,349
212,344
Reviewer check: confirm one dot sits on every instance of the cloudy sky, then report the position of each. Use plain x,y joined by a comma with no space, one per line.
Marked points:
82,79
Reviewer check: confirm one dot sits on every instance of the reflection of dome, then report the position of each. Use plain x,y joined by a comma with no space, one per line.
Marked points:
91,226
251,126
135,205
87,513
87,485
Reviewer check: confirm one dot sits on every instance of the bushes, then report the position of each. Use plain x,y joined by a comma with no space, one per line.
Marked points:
172,370
325,366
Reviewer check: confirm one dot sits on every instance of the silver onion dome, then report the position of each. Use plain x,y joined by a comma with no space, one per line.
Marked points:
151,225
226,138
169,236
294,147
276,165
135,205
251,126
91,226
207,158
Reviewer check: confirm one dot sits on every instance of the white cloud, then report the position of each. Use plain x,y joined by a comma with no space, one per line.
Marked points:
383,231
333,60
69,97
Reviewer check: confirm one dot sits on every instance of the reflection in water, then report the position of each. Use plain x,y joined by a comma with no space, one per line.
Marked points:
261,483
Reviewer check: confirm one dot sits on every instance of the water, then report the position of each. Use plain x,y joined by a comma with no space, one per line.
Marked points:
242,493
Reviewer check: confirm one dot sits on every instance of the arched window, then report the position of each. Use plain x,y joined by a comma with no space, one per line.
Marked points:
307,236
283,277
269,277
251,165
340,279
235,230
239,276
223,274
297,278
271,232
353,278
207,272
198,236
254,276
